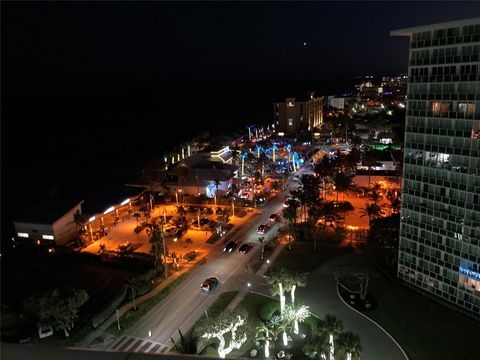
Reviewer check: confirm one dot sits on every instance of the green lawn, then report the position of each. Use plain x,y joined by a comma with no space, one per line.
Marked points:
131,316
303,258
424,328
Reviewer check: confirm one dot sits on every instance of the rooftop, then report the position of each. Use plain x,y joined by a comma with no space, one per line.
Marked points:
48,211
444,25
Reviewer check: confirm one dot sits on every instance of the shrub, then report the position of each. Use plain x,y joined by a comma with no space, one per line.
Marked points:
312,321
103,315
139,228
191,255
141,288
268,310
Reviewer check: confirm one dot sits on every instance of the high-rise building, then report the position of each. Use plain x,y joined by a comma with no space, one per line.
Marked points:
440,217
298,114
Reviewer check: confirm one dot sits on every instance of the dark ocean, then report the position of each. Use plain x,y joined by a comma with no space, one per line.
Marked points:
76,138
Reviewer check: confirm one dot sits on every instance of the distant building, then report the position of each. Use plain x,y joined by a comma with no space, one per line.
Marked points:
336,102
50,222
219,153
394,87
197,175
298,114
440,217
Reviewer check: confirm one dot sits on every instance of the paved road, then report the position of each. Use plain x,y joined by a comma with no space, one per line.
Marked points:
186,304
321,295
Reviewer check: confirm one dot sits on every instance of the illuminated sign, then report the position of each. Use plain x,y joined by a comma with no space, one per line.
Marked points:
48,237
24,235
471,274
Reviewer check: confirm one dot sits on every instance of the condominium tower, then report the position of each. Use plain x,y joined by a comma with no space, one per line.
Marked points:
440,218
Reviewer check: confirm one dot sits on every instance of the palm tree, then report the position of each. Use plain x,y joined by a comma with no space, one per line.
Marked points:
371,211
156,237
324,169
395,204
137,216
343,183
314,213
267,335
294,279
290,213
333,327
327,210
350,343
317,348
370,160
294,314
277,278
187,344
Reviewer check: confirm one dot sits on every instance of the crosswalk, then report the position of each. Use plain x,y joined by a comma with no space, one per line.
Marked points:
133,344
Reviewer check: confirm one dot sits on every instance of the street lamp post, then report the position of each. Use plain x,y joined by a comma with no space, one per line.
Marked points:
233,207
164,254
248,286
268,264
176,196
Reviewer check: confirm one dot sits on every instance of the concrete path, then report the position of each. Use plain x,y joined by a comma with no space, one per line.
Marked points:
322,297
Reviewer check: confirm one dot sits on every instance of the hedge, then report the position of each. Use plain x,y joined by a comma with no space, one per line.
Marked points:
103,315
312,321
267,310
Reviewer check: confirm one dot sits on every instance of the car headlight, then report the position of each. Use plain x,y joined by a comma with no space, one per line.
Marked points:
224,249
230,250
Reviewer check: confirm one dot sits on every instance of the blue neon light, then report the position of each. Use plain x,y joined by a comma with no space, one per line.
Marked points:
471,274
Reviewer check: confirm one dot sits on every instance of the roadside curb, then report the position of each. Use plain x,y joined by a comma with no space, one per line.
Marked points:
374,322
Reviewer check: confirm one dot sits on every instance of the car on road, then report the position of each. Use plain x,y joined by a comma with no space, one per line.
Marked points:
289,202
275,217
262,229
209,285
232,244
244,248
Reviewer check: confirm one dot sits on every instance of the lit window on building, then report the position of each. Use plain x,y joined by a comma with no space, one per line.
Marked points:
290,122
467,109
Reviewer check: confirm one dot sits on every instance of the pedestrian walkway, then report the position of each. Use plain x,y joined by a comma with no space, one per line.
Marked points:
263,269
128,306
133,344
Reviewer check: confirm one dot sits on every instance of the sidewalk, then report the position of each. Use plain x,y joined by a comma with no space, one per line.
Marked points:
263,269
138,301
157,289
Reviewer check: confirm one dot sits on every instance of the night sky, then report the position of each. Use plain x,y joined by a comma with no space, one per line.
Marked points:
158,41
90,88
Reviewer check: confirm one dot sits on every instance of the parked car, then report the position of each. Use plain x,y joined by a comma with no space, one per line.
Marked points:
230,246
244,248
209,285
178,234
204,221
262,229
